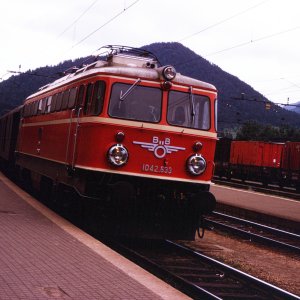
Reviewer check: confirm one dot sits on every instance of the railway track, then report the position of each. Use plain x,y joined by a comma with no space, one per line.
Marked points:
198,275
255,232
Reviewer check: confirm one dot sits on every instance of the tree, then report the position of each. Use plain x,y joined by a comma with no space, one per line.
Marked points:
249,131
254,131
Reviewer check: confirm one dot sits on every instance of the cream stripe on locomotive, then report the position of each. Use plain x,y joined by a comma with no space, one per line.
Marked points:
193,180
136,124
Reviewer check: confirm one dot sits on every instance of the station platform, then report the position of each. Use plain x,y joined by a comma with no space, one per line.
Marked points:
43,256
276,206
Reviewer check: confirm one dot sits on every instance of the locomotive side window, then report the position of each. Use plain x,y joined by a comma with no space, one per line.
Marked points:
88,97
44,105
58,102
41,106
72,97
80,98
28,109
25,110
35,107
53,103
31,109
135,102
48,104
95,108
188,110
65,99
39,111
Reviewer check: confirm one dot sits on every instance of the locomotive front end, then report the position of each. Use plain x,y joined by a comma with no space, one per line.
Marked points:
135,140
158,138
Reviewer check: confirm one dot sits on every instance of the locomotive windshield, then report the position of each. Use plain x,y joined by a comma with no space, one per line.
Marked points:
136,102
188,110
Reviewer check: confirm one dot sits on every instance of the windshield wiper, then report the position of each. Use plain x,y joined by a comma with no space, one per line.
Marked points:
130,89
192,106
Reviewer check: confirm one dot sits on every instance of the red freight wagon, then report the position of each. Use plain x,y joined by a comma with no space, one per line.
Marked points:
291,156
259,161
260,154
291,164
264,162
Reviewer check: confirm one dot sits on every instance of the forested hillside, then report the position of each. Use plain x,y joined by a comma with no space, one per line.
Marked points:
238,102
233,111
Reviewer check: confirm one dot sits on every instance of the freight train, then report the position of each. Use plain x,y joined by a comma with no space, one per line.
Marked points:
265,162
134,139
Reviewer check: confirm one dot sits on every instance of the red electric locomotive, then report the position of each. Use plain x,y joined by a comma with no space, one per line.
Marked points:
135,140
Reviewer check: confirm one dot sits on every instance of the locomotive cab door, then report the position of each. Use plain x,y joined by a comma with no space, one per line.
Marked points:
89,102
73,128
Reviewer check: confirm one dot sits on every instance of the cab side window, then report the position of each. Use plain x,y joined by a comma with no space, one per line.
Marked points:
80,97
94,98
48,105
58,102
65,99
72,97
88,96
97,98
53,103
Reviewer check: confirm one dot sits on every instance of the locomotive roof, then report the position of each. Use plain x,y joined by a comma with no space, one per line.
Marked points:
123,65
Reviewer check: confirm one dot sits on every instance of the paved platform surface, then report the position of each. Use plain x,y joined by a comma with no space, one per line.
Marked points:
43,256
267,204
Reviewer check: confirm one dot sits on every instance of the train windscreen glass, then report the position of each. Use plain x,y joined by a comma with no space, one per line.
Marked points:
135,102
188,110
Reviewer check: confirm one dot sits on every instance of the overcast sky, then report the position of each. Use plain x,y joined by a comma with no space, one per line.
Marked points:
255,40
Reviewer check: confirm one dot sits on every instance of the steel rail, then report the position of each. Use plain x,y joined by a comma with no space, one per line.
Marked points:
273,291
281,238
198,275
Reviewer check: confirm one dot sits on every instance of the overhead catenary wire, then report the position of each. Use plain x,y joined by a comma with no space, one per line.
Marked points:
107,22
254,40
31,74
93,32
222,21
238,45
77,19
264,101
87,36
243,44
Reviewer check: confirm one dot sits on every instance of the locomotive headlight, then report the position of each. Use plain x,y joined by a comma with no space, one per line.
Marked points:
196,164
169,72
117,155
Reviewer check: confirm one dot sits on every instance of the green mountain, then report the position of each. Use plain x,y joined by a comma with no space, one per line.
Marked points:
238,101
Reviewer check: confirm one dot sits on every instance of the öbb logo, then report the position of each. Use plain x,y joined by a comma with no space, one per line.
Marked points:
160,148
